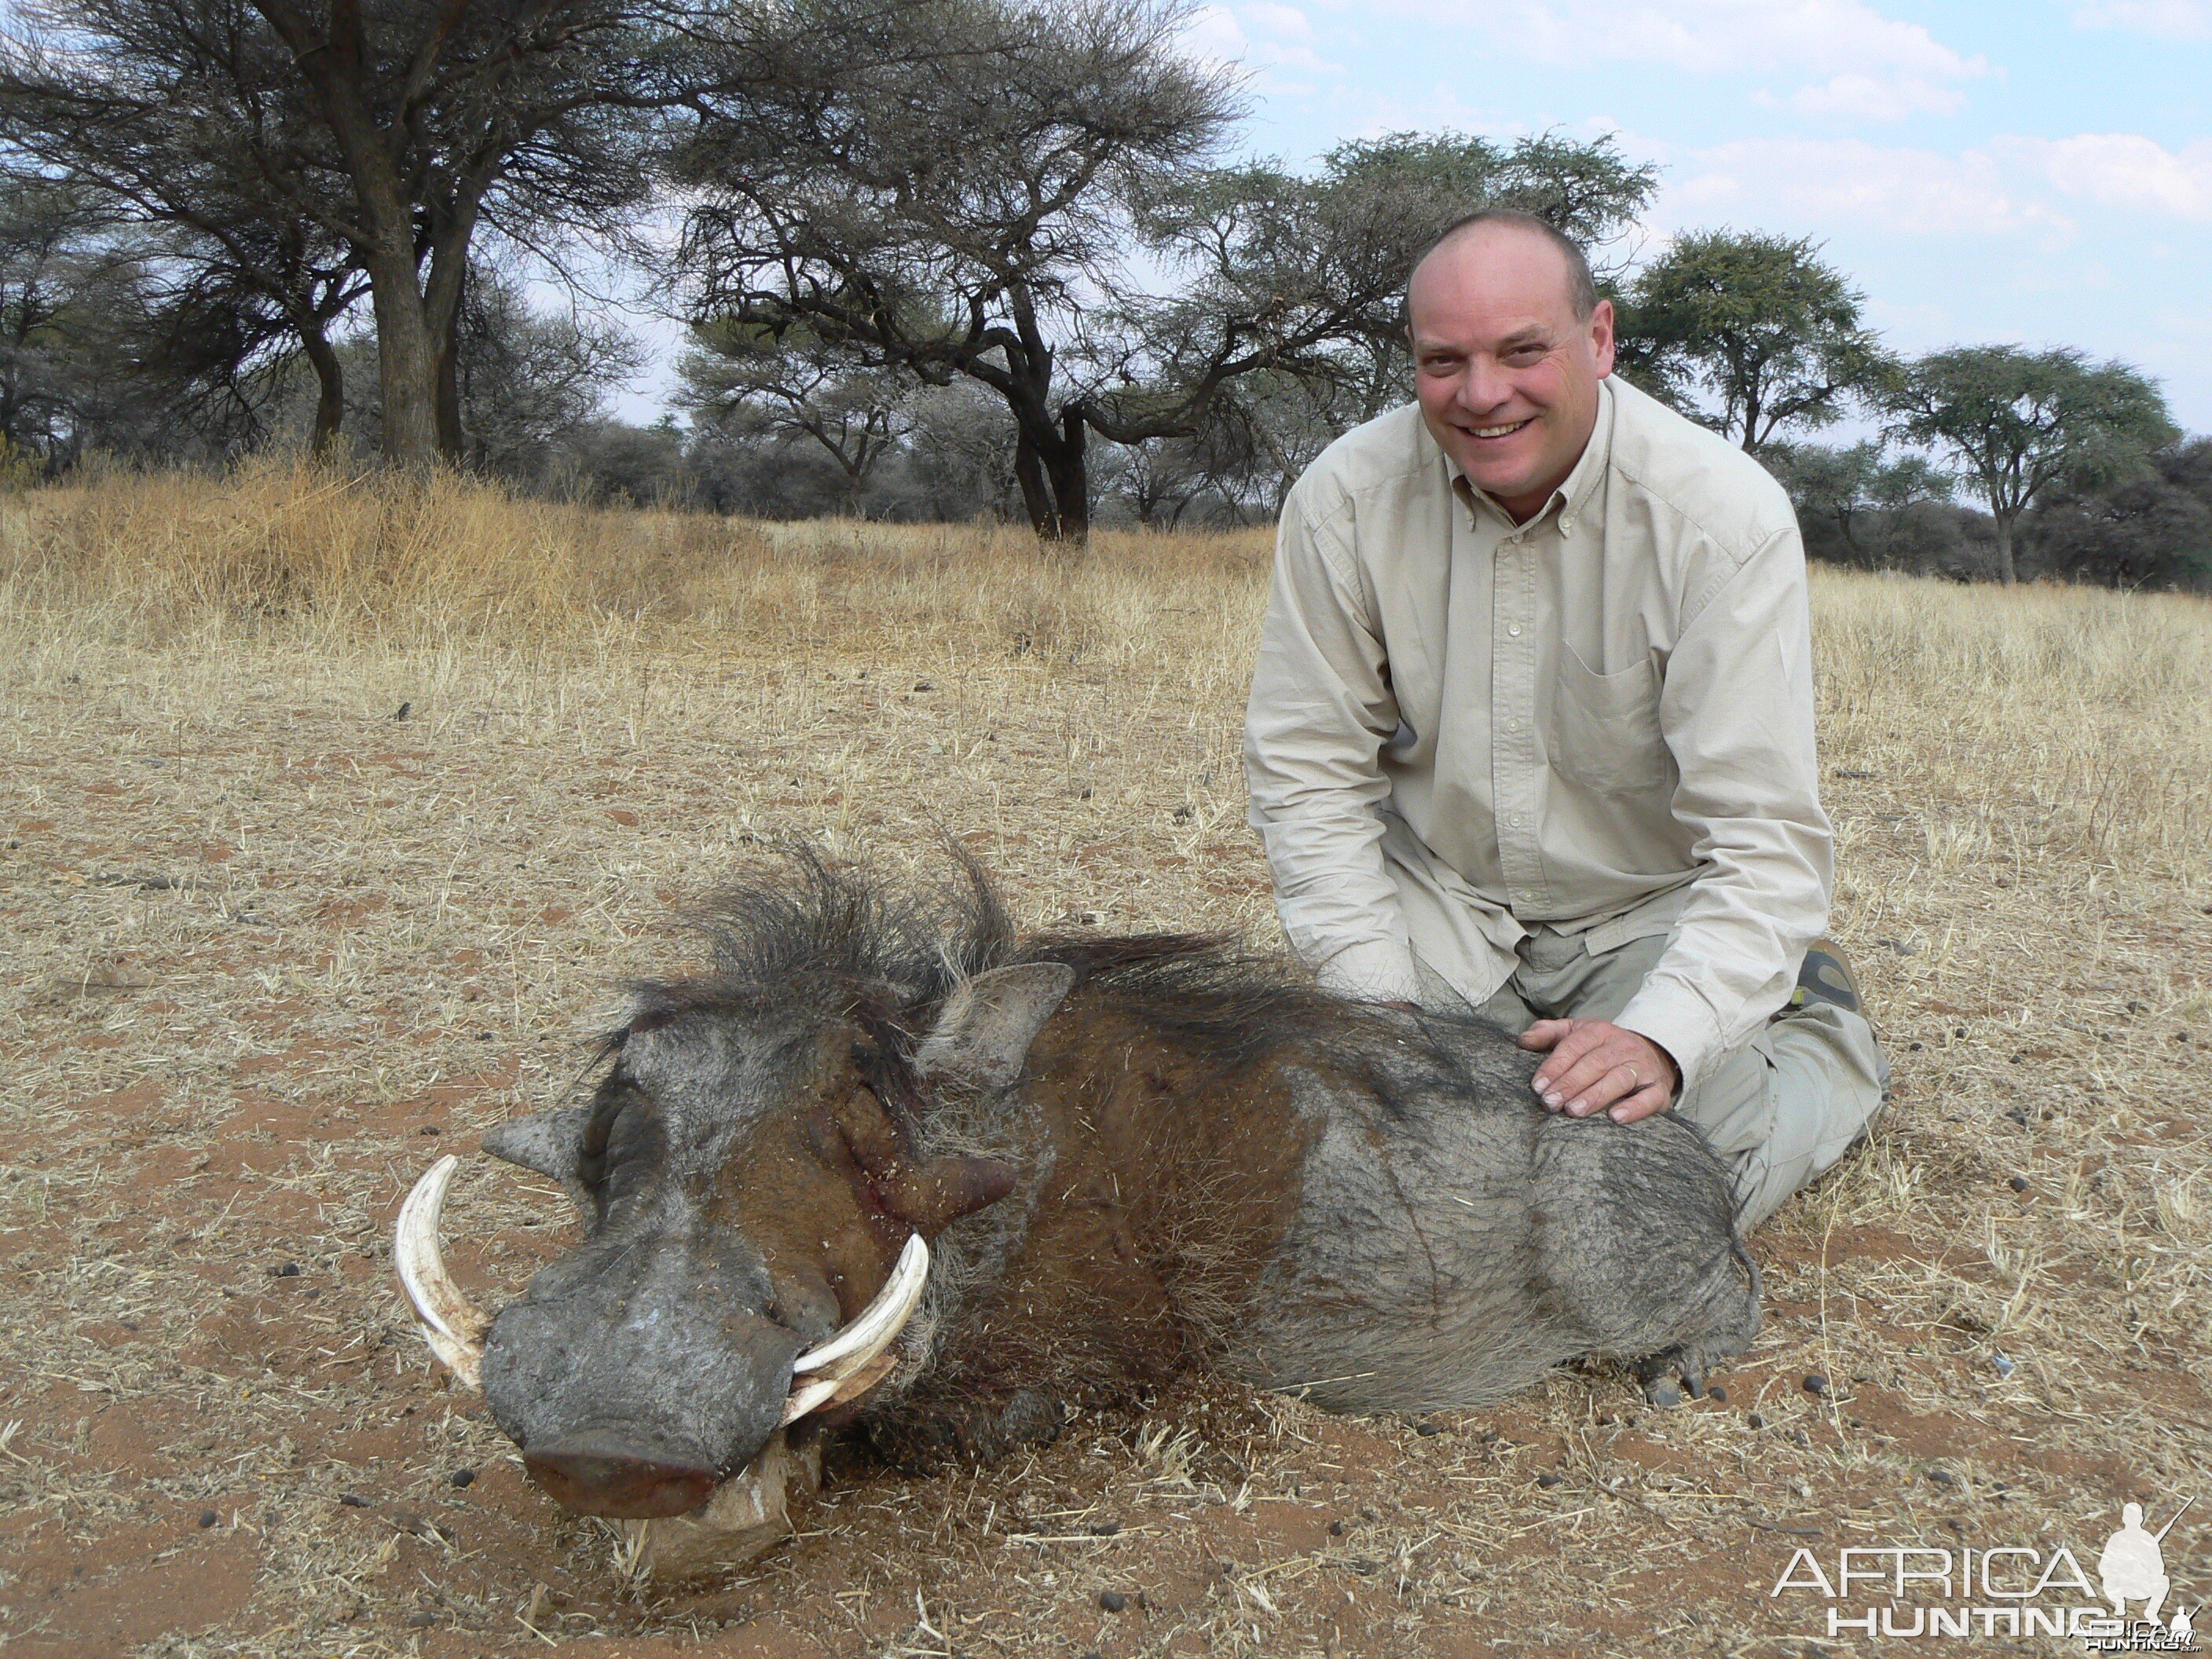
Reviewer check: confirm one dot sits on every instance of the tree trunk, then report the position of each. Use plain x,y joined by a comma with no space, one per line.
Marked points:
2004,552
330,402
453,440
1070,472
406,362
1028,472
452,443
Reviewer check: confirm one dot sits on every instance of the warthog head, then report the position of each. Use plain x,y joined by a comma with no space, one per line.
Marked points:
754,1196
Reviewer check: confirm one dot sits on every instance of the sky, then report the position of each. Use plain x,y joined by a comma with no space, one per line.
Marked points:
2037,171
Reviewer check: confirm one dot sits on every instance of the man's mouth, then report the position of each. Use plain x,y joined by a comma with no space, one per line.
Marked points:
1492,433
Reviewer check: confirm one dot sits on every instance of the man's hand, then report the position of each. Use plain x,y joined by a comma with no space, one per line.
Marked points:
1596,1066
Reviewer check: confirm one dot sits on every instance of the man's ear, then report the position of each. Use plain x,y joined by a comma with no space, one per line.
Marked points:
982,1037
547,1144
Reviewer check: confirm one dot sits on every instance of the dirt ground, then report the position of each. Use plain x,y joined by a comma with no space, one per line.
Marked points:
285,919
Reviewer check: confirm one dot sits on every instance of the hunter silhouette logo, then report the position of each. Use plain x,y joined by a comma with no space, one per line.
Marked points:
2010,1590
2133,1568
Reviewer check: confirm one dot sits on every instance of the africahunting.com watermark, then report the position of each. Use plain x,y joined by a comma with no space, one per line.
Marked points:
1903,1591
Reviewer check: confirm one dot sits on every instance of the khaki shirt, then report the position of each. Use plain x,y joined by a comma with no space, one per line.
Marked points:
1602,720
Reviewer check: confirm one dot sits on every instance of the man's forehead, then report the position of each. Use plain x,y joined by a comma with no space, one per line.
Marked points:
1503,278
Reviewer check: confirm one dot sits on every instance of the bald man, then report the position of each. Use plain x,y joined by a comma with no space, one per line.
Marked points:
1531,730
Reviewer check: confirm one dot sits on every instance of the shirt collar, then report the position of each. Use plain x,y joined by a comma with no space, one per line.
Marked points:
1567,500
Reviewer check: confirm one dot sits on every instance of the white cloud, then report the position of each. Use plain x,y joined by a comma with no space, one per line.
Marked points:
1213,35
1866,65
1258,35
1813,184
1876,97
2175,20
2123,170
1284,22
2010,187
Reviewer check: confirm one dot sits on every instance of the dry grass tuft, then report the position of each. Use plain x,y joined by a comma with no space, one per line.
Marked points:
265,936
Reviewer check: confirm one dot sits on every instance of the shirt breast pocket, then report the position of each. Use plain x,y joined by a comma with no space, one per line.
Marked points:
1605,727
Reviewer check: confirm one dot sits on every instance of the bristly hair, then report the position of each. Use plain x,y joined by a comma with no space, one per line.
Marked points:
832,936
813,926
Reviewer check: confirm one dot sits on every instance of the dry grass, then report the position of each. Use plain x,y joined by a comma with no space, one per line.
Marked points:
264,935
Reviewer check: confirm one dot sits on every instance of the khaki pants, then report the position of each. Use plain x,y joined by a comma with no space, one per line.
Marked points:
1780,1109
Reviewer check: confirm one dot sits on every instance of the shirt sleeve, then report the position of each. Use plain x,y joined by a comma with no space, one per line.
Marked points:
1321,710
1737,713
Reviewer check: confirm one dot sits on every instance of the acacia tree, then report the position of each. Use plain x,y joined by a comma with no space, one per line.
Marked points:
2017,422
1849,488
1749,333
798,386
2154,529
135,125
987,213
387,133
955,211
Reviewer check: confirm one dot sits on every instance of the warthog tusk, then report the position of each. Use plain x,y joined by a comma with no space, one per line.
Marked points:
844,1368
878,1322
450,1324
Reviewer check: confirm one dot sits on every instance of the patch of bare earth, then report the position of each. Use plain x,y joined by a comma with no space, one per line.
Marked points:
269,949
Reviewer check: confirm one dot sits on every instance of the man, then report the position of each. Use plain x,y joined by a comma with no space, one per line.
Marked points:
1531,730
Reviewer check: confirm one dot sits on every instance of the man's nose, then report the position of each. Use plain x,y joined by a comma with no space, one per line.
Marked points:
1483,388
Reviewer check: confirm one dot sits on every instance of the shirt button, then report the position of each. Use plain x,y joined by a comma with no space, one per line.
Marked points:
1513,725
1567,525
1514,629
1516,820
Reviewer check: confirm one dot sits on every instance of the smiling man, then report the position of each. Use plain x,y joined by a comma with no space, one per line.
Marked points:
1531,731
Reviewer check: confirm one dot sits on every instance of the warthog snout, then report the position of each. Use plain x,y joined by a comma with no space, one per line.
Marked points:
636,1373
608,1472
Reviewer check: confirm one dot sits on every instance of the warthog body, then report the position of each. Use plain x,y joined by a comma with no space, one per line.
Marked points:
1128,1155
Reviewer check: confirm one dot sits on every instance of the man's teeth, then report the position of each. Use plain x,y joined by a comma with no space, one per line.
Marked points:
1498,431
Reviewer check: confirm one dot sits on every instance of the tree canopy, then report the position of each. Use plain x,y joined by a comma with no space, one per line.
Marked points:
1753,334
2015,422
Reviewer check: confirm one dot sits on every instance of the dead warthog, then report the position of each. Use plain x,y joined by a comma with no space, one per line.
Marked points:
891,1164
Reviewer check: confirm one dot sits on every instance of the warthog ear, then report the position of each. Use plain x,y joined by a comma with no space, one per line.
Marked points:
547,1144
982,1038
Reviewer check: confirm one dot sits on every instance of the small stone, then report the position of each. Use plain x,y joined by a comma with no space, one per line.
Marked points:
1428,1428
421,1619
1756,1420
354,1500
2004,1366
1336,1529
1815,1383
429,1129
463,1477
1942,1477
208,1517
2018,1184
1664,1395
1112,1600
289,1270
1104,1529
1547,1479
925,685
1717,1394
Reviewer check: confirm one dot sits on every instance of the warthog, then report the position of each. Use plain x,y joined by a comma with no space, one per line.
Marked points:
891,1164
